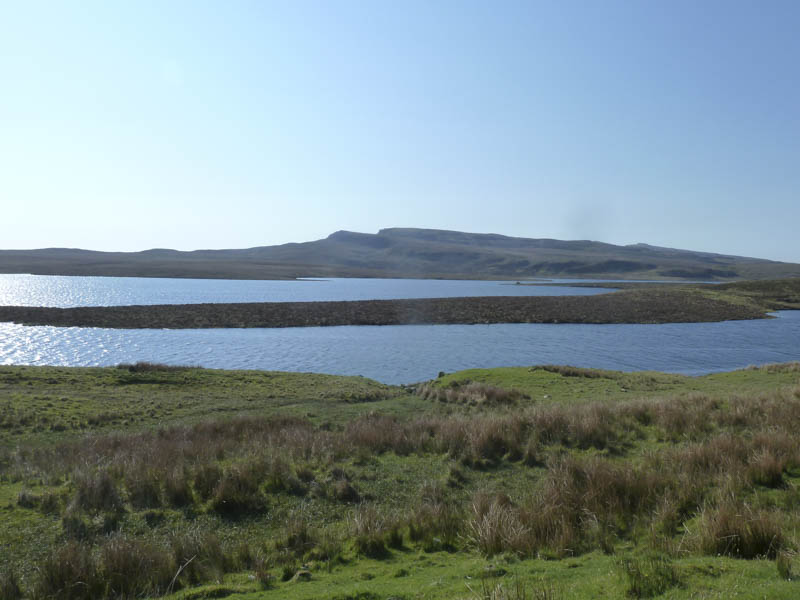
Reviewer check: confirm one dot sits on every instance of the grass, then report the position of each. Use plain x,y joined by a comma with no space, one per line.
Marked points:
441,575
48,404
547,384
649,575
763,294
540,482
775,294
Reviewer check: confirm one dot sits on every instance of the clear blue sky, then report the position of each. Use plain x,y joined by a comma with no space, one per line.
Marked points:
131,125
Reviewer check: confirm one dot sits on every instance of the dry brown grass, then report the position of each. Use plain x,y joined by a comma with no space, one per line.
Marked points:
735,529
133,568
70,572
369,525
471,393
437,521
604,473
140,467
200,556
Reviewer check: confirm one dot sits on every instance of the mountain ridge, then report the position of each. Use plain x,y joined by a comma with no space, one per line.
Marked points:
408,253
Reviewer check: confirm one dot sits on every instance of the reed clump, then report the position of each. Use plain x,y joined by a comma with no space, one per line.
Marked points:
734,528
472,393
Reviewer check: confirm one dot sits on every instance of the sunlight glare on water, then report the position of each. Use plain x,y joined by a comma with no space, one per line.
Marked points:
61,291
410,353
393,354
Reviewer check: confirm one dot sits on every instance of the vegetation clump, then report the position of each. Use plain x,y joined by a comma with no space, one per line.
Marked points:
648,576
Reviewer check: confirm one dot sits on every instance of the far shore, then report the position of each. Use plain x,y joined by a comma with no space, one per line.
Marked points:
633,306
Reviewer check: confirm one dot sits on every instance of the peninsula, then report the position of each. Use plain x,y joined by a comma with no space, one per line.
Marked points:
644,303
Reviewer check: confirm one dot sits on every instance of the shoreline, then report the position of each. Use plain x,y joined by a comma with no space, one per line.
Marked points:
636,306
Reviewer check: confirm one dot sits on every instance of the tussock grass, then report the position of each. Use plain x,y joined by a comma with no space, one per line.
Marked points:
515,588
496,526
71,572
471,393
9,585
238,492
784,562
133,568
138,513
736,529
95,491
298,538
199,555
368,528
648,576
436,522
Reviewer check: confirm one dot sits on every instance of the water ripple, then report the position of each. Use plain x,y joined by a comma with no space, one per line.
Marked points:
404,354
58,291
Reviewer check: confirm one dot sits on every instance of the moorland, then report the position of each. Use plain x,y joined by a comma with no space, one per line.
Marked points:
406,252
542,482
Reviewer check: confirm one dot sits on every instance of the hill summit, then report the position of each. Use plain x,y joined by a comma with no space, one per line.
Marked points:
406,252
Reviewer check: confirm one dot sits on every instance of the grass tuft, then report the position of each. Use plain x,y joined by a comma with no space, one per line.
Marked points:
199,556
133,568
648,576
238,494
368,527
71,573
736,529
9,585
95,492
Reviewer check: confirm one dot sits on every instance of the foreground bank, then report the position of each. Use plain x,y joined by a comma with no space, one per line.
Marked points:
560,482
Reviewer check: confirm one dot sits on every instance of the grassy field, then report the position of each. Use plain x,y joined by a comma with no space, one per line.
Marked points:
541,482
763,295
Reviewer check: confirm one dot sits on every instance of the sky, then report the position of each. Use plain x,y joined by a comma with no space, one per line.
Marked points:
231,124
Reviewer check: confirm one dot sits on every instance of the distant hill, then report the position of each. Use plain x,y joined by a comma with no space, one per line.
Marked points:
398,252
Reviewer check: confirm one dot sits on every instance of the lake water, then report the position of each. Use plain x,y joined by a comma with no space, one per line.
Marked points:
392,354
46,290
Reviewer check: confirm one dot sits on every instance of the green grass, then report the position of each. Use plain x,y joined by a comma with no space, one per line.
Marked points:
775,294
48,404
462,576
542,482
547,384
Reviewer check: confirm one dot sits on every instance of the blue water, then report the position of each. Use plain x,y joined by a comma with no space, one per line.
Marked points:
392,354
46,290
410,353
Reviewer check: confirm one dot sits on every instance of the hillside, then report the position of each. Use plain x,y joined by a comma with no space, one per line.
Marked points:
424,253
